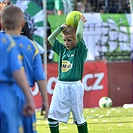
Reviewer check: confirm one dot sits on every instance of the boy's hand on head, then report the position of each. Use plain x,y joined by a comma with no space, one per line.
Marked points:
63,26
83,18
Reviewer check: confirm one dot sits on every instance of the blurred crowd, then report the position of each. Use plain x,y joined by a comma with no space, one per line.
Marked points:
103,6
108,6
59,7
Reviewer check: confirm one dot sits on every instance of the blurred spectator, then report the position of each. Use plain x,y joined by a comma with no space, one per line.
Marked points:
54,7
126,7
80,6
113,7
107,6
25,29
101,6
59,7
68,6
101,10
50,7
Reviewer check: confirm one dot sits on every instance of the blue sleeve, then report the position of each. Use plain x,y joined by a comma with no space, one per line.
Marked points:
9,61
38,68
14,61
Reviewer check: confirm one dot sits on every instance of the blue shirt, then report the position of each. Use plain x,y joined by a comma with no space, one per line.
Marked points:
31,59
9,61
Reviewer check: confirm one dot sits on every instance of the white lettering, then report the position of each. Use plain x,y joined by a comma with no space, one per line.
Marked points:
49,84
35,91
97,85
84,81
98,77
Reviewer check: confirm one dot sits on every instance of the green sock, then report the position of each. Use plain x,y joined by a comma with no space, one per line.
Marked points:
83,128
54,129
54,126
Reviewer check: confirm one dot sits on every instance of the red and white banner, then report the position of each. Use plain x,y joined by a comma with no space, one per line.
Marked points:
95,83
94,79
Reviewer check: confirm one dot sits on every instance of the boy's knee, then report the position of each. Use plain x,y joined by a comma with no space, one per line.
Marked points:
52,122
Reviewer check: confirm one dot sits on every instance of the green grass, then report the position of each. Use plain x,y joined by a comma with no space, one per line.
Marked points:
107,120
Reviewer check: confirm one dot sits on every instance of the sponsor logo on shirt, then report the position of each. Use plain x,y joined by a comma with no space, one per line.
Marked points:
66,65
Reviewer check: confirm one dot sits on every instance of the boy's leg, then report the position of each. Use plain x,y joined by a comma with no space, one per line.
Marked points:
53,125
83,128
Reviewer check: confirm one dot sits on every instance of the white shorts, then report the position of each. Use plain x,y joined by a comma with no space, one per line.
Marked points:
67,97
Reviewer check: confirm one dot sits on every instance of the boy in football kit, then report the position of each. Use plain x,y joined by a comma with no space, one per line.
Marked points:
10,66
69,91
12,22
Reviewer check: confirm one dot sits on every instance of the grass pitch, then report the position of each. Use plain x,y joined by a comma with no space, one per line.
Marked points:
106,120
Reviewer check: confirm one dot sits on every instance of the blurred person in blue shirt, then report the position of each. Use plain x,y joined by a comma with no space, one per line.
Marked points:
31,59
11,66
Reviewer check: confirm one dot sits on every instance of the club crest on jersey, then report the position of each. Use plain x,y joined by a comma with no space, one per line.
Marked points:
66,65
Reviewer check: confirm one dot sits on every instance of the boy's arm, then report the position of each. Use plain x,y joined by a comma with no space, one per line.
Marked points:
43,89
80,29
20,77
53,36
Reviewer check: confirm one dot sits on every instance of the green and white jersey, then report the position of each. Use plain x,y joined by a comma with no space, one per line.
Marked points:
71,62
